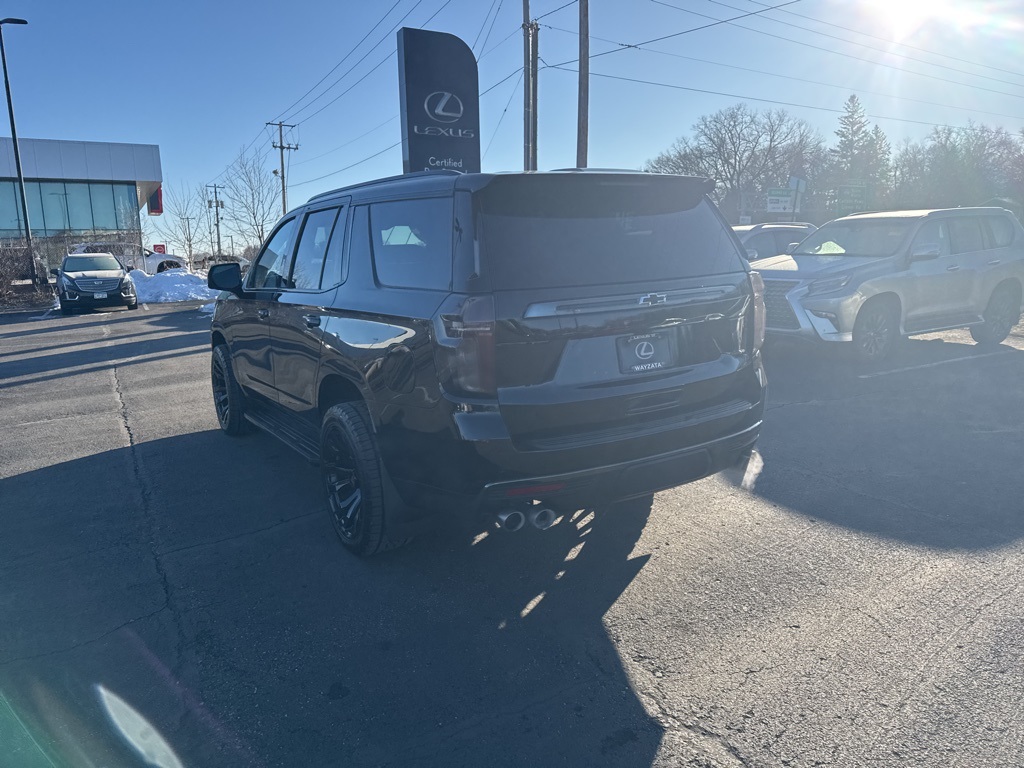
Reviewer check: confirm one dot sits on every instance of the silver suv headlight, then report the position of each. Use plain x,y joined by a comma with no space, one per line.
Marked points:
829,284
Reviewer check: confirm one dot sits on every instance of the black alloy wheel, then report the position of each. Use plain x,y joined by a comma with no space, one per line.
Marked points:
1001,314
228,400
875,332
351,471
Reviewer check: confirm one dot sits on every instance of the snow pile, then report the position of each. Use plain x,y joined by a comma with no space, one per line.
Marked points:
172,285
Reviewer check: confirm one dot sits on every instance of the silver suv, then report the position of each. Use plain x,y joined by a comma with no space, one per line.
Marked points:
873,277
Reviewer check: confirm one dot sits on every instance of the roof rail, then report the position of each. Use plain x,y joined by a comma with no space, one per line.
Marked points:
596,170
412,175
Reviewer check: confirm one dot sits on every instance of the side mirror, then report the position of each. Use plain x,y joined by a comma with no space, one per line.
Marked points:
55,272
129,268
225,277
791,247
925,251
751,254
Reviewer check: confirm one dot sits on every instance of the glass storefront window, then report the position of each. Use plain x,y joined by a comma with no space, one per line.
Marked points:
10,210
35,207
102,197
79,206
126,206
55,218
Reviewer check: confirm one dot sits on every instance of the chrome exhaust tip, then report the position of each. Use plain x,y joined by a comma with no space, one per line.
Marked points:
542,518
511,519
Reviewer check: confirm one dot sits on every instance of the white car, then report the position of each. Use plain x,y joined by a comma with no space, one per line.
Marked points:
134,256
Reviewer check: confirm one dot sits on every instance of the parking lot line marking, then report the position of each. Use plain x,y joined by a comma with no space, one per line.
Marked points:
931,365
145,307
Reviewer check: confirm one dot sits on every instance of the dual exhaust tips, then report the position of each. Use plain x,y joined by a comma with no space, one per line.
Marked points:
540,518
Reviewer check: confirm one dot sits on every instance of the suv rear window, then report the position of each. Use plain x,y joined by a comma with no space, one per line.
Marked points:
539,232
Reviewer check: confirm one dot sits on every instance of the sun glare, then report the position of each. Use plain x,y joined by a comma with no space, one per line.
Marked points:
905,17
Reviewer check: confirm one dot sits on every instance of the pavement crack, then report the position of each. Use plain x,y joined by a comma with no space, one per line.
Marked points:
819,401
148,515
241,535
83,643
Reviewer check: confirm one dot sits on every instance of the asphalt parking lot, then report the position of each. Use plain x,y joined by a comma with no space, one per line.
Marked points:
168,587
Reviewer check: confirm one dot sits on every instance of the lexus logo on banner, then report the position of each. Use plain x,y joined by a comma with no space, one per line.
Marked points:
438,90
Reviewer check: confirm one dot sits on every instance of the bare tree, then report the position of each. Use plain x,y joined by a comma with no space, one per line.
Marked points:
252,196
181,222
745,151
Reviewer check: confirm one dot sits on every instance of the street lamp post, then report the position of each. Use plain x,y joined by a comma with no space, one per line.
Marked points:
36,279
231,240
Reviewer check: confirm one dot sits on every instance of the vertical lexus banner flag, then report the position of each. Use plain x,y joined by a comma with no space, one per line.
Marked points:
439,92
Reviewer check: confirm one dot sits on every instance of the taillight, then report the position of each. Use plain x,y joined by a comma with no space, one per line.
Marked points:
466,359
757,284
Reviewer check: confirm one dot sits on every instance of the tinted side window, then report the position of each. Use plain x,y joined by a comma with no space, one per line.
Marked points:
932,233
272,265
309,257
966,234
412,243
783,238
1001,229
331,275
763,243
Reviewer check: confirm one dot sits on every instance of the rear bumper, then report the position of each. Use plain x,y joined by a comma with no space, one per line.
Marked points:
625,480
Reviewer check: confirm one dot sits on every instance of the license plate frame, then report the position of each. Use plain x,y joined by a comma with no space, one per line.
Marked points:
645,352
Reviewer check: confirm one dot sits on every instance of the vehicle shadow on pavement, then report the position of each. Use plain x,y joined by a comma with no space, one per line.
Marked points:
924,449
215,601
47,364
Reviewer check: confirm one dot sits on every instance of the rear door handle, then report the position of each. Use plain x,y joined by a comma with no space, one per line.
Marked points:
262,314
311,321
994,262
952,269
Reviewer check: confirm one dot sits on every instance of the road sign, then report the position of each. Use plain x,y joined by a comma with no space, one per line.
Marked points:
851,198
159,248
781,201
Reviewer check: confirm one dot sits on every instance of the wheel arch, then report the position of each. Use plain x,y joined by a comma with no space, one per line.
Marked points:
1013,284
889,298
337,388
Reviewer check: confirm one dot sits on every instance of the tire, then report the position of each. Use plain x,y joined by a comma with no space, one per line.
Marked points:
133,305
1001,314
66,310
876,331
228,400
351,470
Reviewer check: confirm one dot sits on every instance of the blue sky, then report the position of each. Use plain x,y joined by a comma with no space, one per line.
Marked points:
201,78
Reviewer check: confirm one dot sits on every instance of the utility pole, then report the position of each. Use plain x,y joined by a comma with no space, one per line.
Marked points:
582,124
534,56
216,204
282,146
527,82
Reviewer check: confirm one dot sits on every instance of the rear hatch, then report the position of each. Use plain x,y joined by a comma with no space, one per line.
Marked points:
620,303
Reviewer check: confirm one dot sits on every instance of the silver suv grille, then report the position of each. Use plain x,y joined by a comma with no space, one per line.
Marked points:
779,313
98,285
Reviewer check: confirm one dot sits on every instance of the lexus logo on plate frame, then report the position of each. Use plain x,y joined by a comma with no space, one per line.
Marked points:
644,350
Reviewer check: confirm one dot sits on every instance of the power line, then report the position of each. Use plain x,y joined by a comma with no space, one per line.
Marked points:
716,23
838,53
347,143
491,28
347,167
335,67
890,42
864,45
750,98
348,71
484,24
494,135
789,77
571,2
504,40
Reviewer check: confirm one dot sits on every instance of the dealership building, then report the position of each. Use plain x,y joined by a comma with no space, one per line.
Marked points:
77,191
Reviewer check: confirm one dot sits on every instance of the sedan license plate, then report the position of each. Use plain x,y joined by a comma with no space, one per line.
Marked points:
99,295
644,352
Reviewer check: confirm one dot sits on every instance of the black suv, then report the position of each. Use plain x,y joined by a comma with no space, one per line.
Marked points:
512,344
